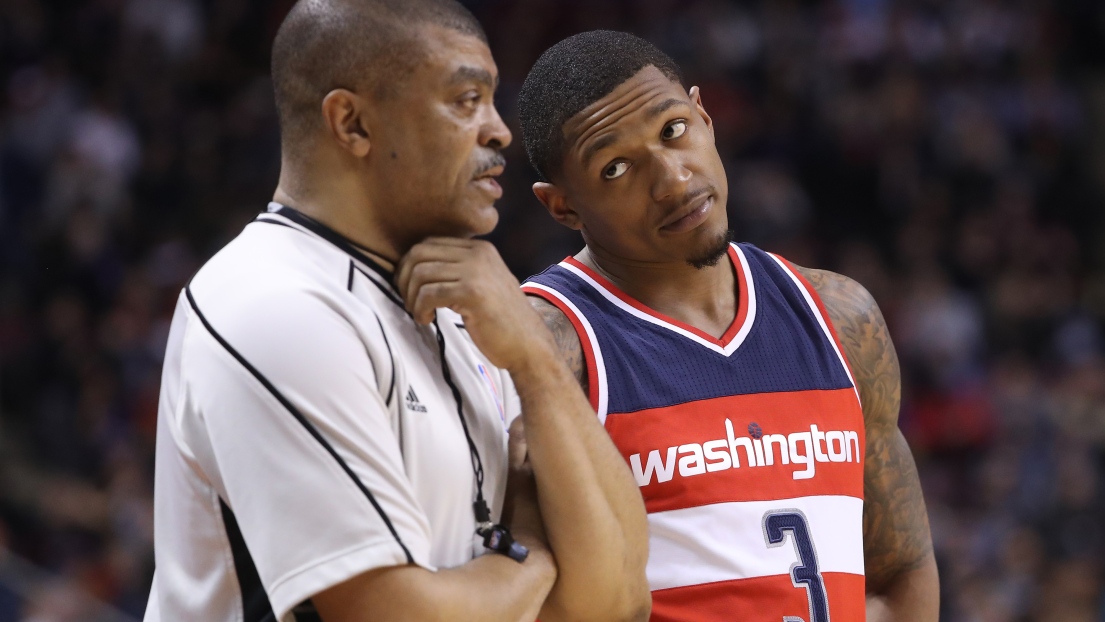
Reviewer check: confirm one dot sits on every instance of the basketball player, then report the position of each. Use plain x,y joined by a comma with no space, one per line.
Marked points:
332,433
755,401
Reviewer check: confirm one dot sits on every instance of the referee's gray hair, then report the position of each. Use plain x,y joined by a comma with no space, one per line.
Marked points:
328,44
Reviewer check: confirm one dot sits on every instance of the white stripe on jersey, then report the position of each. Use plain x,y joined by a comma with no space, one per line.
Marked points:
730,542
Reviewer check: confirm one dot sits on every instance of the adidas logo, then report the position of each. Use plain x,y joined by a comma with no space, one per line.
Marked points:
412,401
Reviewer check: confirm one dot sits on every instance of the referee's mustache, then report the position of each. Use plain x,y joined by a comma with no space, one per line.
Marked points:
487,163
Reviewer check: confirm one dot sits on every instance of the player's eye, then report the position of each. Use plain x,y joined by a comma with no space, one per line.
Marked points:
674,130
615,170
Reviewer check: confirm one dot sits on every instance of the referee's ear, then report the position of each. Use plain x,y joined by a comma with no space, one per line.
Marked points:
556,202
341,111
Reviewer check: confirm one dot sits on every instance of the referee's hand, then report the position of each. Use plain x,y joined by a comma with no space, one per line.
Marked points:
469,277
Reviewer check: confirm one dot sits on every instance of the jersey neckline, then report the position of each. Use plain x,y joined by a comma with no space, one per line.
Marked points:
343,243
726,344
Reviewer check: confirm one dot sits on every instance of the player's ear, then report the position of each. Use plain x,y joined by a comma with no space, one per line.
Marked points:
556,202
696,96
342,112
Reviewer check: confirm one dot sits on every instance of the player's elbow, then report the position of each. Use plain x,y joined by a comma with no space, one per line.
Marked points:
635,599
634,603
629,601
638,607
638,613
911,593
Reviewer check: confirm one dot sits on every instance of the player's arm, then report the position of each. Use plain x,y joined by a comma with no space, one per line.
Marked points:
571,350
592,510
567,341
902,582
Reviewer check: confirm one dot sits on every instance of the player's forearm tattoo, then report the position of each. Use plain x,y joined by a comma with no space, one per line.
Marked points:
895,522
566,338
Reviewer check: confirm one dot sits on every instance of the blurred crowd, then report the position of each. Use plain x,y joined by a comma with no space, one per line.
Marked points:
949,155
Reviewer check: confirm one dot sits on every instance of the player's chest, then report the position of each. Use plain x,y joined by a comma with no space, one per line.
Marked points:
751,447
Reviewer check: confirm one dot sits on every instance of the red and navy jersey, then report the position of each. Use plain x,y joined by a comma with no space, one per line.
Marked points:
748,449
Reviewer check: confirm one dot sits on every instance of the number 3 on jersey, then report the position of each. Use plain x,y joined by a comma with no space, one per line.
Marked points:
804,573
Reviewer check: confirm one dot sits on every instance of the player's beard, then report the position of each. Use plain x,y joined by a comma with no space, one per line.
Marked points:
712,254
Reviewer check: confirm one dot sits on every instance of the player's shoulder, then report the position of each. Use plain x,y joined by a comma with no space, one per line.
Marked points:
565,334
843,297
555,320
859,323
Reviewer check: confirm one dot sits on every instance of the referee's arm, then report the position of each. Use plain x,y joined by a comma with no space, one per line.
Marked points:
591,506
490,587
285,419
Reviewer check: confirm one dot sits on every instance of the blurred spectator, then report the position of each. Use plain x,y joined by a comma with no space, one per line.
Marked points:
948,155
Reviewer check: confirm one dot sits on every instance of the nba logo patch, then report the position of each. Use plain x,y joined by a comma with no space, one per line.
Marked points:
494,393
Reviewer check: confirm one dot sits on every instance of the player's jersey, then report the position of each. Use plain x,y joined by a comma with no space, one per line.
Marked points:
748,449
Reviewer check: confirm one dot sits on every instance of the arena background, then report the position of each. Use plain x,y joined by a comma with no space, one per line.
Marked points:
948,155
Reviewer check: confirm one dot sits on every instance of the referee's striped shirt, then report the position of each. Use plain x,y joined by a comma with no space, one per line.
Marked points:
306,433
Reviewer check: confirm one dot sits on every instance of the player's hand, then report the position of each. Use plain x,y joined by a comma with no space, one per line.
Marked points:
469,277
520,509
517,449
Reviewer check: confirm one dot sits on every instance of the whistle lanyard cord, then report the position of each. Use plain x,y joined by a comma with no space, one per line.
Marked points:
483,514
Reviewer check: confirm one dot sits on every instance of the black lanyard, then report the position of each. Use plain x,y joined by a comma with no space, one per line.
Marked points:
495,536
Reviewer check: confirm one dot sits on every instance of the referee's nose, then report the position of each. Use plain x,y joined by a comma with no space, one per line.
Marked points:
494,133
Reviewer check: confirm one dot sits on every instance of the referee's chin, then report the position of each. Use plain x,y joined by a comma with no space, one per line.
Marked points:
467,219
482,217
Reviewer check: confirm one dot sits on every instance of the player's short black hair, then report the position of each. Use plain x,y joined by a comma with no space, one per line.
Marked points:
572,75
327,44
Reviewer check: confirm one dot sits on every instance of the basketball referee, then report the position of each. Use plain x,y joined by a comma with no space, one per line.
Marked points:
346,382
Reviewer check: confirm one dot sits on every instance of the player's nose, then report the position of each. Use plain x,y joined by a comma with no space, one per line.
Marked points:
671,177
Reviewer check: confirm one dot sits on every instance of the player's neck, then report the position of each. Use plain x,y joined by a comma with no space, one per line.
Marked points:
705,298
